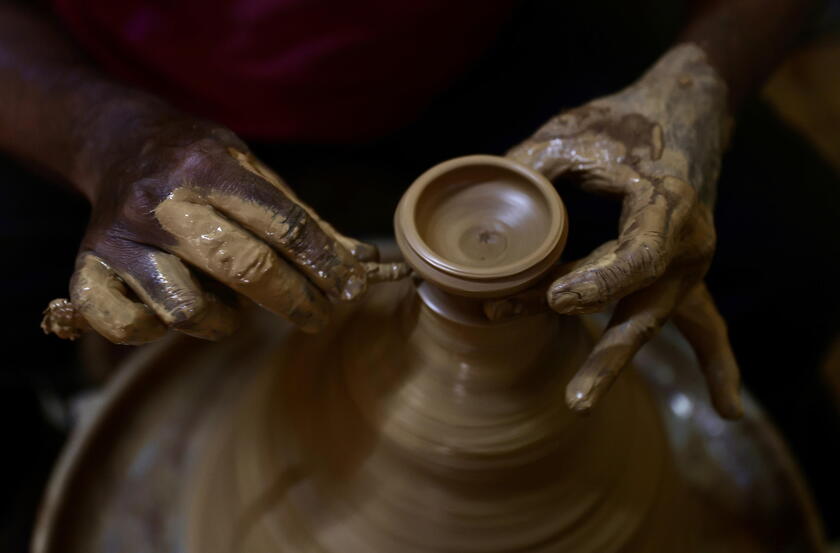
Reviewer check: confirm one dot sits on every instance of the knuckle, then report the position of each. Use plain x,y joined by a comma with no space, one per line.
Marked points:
142,198
119,334
254,267
642,328
291,232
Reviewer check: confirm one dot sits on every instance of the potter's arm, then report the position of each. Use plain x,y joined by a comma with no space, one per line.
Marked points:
47,94
745,39
170,194
657,146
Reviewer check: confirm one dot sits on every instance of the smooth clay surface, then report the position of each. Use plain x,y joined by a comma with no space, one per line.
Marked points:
401,430
481,226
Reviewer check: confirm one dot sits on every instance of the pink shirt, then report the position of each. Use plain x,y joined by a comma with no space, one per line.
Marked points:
289,70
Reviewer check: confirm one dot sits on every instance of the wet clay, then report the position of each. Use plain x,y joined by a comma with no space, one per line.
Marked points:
234,257
100,297
63,320
481,226
438,436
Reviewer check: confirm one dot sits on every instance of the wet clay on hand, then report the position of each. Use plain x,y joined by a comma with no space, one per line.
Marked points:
657,146
191,197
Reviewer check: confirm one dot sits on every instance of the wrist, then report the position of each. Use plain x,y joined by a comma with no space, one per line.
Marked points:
112,125
683,94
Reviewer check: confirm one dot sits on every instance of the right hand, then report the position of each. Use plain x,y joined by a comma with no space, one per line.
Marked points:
191,196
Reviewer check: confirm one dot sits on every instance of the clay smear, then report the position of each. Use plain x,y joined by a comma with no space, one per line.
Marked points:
233,256
100,297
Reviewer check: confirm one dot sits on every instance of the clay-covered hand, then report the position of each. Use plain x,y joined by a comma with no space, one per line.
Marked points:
186,207
657,146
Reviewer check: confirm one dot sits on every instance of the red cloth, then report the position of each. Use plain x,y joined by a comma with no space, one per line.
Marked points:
291,70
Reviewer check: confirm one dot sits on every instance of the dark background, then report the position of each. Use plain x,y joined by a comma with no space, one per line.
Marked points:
775,274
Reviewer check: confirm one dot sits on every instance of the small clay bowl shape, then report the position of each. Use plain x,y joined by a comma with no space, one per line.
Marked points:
481,226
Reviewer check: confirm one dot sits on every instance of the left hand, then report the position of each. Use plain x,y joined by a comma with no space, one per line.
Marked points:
656,145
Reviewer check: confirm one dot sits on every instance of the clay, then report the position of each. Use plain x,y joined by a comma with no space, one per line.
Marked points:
386,272
481,226
101,298
442,437
418,425
438,430
234,257
63,320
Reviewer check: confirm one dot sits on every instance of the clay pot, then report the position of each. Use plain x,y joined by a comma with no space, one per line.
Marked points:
413,424
481,226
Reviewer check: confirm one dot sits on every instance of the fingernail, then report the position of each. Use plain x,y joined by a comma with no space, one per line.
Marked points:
579,396
385,272
563,302
354,287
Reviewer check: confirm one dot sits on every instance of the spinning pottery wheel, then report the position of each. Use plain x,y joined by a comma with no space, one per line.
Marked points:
412,424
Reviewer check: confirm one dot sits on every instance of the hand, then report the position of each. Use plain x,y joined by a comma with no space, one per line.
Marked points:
656,145
185,202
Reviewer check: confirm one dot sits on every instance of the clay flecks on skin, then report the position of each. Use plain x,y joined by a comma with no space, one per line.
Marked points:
100,296
386,272
225,251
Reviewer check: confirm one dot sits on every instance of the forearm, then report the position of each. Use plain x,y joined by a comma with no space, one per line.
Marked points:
744,39
56,109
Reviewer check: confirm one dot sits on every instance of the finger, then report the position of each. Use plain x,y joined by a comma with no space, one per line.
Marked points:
368,254
231,255
636,319
100,297
166,285
545,157
63,319
652,221
276,215
700,322
361,251
534,300
386,272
